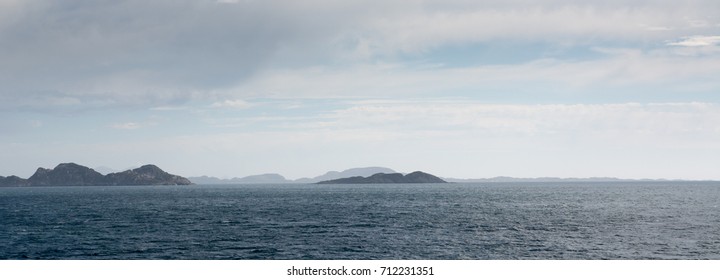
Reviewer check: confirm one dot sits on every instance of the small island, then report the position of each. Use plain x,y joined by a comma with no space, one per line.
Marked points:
71,174
416,177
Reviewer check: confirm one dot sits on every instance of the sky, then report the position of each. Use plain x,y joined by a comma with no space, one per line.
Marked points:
456,88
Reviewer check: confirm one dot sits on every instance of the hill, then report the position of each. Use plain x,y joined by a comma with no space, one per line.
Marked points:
416,177
71,174
352,172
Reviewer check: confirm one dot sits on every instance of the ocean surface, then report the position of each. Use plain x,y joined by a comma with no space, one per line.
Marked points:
638,220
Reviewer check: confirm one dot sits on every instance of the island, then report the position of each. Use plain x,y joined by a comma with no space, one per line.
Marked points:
416,177
71,174
274,178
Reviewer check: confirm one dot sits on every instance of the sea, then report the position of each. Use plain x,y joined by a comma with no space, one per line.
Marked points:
478,221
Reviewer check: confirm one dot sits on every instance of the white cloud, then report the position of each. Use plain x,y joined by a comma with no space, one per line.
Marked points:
127,125
617,71
421,27
169,108
625,119
697,41
133,125
174,49
658,125
236,104
420,31
658,28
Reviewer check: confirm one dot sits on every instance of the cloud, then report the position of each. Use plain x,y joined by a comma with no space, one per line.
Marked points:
430,25
236,104
697,41
129,53
628,119
440,121
617,73
423,31
117,49
169,108
152,121
127,126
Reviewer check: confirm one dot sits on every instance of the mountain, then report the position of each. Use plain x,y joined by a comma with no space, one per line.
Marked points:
416,177
145,175
353,172
67,174
270,178
71,174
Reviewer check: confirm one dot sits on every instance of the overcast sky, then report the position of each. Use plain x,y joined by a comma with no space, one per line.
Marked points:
464,89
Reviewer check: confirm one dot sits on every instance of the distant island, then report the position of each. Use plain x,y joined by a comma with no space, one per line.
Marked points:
416,177
273,178
269,178
71,174
505,179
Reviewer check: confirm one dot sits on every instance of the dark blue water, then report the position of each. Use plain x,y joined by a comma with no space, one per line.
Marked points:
446,221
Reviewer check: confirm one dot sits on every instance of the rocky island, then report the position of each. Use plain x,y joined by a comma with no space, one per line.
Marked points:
71,174
416,177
